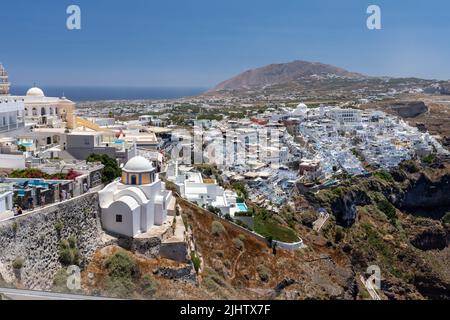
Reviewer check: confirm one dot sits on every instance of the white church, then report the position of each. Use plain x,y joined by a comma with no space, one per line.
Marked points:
137,202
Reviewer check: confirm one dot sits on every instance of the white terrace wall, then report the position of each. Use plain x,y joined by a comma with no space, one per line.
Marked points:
279,244
12,161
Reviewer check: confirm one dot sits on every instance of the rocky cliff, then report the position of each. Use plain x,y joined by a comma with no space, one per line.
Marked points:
408,109
425,192
395,220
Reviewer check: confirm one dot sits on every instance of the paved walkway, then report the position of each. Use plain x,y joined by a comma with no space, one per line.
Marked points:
38,208
17,294
320,222
369,287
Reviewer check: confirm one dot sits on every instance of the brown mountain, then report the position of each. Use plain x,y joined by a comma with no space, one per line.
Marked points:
283,73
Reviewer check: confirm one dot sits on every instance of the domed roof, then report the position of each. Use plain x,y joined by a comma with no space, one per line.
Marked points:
301,109
35,92
138,164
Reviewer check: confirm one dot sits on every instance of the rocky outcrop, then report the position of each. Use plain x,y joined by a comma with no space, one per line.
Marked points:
186,273
432,286
427,234
424,192
445,88
35,238
410,192
283,285
409,109
148,247
430,239
344,208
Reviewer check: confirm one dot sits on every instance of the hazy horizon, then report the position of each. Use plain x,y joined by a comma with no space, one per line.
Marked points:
143,43
99,93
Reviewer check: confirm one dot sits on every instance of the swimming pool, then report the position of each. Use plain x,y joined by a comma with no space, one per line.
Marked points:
242,207
26,144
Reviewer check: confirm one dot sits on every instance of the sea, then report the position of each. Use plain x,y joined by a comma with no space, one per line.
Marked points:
85,93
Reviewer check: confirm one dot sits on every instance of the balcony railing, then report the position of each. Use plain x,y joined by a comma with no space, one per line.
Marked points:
12,127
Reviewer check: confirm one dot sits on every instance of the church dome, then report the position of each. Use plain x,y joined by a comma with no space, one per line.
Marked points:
138,164
35,92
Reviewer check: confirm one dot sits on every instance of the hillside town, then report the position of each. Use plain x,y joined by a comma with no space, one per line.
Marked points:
269,152
147,163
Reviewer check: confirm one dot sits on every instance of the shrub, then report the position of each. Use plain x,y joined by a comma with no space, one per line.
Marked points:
446,218
122,269
18,263
429,159
217,229
68,252
242,224
410,166
264,214
58,227
238,243
227,263
120,287
72,175
384,175
60,281
214,210
219,253
185,221
121,265
72,241
240,189
149,286
399,175
210,284
33,173
388,209
339,234
263,272
195,261
308,218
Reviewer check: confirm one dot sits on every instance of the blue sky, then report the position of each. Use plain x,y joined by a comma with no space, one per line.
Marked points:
202,42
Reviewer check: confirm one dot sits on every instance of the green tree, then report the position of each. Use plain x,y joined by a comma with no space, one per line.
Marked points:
111,170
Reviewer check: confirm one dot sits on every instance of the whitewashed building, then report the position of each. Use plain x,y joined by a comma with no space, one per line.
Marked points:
11,108
137,202
6,201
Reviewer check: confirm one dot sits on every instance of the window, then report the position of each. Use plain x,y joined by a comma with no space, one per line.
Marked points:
118,218
133,180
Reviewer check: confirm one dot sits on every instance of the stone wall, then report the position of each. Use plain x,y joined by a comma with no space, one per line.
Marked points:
35,238
177,251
